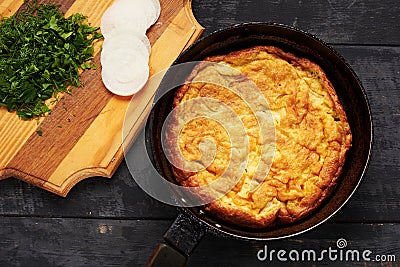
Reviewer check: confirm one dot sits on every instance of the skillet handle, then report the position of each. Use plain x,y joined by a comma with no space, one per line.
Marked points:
180,240
166,256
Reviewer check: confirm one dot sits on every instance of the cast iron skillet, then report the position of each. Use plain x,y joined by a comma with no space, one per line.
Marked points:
193,223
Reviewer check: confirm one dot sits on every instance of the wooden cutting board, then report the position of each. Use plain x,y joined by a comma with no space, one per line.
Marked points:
83,135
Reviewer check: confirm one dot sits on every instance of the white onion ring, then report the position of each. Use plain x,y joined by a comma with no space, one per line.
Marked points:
126,48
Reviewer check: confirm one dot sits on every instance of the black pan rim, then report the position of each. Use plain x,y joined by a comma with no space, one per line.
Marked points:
219,231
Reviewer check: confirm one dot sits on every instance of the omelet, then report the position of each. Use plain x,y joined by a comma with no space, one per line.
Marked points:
310,139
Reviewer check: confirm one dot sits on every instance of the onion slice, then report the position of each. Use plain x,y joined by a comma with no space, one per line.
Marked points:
129,15
126,48
124,40
157,8
125,71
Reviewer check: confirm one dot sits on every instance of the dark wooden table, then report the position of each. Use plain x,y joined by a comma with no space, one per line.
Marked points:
114,223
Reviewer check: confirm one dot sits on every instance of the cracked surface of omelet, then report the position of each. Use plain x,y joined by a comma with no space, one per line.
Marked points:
311,136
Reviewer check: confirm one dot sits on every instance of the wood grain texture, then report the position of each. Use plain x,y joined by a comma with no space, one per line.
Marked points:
66,242
345,21
381,239
379,70
41,155
9,7
82,137
32,235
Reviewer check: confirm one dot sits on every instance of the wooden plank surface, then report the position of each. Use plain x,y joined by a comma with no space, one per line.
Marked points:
335,21
82,137
85,242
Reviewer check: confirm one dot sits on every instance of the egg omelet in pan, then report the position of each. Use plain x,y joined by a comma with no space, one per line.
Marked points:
311,137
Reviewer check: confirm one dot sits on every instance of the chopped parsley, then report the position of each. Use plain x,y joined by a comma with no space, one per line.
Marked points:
39,132
41,54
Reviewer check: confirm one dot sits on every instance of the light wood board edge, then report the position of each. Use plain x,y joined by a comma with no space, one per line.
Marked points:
196,25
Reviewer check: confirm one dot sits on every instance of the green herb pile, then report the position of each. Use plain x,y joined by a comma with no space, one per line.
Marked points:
41,53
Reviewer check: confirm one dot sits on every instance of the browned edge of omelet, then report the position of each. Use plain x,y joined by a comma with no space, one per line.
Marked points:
246,219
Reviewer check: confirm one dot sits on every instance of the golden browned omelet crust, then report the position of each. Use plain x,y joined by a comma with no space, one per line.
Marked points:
312,137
